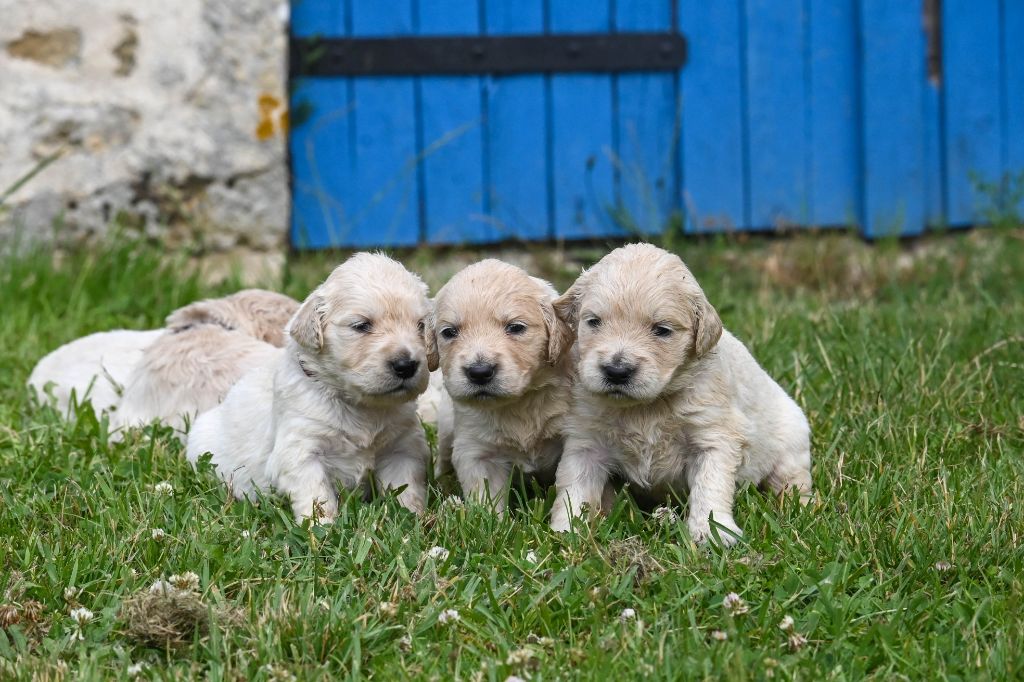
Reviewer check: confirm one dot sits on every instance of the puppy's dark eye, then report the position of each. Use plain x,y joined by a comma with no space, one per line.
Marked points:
363,327
449,333
515,328
593,322
661,330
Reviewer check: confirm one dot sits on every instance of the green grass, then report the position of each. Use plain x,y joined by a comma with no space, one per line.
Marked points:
908,361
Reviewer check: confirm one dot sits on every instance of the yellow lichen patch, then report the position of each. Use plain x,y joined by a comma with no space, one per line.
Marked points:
273,117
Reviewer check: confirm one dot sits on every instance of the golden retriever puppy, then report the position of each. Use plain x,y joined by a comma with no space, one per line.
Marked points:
337,403
669,400
168,374
502,353
208,346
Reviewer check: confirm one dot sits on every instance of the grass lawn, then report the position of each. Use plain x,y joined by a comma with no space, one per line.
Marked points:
909,361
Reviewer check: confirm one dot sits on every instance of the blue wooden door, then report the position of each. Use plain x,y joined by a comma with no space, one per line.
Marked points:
787,113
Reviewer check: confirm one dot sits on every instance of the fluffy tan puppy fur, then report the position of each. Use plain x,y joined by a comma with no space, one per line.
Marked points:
168,374
502,353
208,346
337,403
669,400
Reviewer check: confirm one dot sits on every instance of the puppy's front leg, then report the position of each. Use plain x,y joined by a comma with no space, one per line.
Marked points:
483,477
298,472
405,464
581,479
712,481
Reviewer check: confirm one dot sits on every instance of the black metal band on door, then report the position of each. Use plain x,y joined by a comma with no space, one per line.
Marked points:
560,53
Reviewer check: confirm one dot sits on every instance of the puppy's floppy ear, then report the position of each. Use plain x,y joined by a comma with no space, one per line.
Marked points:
707,328
430,341
567,306
560,334
307,327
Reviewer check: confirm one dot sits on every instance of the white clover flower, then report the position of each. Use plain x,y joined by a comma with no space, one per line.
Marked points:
186,582
158,534
452,502
627,615
163,488
135,669
388,609
531,557
449,616
405,643
81,615
734,604
943,566
787,624
514,678
719,635
519,657
796,641
665,515
438,553
70,593
246,534
162,587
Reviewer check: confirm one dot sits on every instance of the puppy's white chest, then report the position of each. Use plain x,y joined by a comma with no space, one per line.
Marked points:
651,454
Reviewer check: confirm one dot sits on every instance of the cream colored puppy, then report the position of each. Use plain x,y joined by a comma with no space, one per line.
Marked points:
501,350
338,402
667,399
208,346
168,374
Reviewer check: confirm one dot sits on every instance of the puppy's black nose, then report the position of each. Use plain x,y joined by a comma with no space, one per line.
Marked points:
404,367
480,373
618,372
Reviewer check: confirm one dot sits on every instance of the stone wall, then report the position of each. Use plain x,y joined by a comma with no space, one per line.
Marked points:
163,117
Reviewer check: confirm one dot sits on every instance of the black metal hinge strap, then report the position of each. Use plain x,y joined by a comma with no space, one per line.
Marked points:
560,53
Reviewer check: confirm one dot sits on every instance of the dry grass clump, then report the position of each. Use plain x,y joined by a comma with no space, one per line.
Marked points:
164,616
630,553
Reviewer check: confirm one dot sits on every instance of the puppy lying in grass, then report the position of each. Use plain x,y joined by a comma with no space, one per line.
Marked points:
337,403
170,374
667,399
502,352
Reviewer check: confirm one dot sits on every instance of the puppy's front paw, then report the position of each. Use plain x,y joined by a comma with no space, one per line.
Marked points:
728,531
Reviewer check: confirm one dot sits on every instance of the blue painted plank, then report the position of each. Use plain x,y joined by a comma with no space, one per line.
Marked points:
1013,97
517,133
452,138
318,17
714,185
934,180
971,77
834,174
776,111
321,159
385,188
581,118
892,82
320,138
647,127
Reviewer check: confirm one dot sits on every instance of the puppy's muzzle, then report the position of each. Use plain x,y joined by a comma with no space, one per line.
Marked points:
480,373
404,367
617,372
